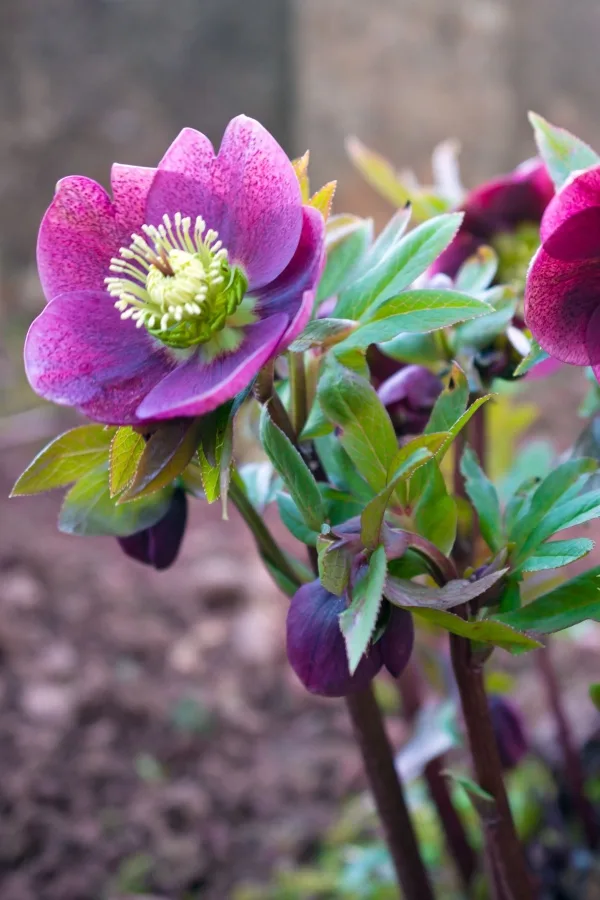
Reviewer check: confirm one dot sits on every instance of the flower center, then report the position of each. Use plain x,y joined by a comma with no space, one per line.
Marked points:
177,282
515,249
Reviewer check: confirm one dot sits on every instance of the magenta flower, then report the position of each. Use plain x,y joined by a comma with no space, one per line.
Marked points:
166,299
316,649
504,213
562,296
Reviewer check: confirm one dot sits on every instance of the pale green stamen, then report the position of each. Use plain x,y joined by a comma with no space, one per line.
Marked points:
176,281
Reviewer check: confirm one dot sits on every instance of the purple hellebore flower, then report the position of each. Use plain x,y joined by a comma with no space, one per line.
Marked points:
166,299
316,648
511,205
159,545
508,730
562,296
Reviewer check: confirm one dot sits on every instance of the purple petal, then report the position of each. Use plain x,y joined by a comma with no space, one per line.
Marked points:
130,186
249,193
299,322
285,293
316,648
196,387
582,192
562,292
79,352
77,238
159,545
419,387
396,643
543,369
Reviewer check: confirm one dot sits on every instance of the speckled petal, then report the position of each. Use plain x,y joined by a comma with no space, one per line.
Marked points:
79,352
196,387
578,194
562,292
249,193
78,236
315,645
130,186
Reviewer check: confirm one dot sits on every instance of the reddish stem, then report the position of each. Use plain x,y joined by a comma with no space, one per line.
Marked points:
571,760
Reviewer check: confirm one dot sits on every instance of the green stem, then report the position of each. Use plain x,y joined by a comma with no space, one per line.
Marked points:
298,390
268,546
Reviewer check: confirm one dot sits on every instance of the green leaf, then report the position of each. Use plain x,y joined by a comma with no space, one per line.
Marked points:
322,333
335,564
359,620
479,333
525,531
555,554
477,273
420,349
569,604
67,458
346,246
397,268
562,152
166,454
435,515
340,469
126,450
594,691
88,508
374,512
390,236
214,452
451,403
484,497
413,311
471,787
262,483
366,431
497,631
460,424
402,592
536,355
296,475
565,515
293,521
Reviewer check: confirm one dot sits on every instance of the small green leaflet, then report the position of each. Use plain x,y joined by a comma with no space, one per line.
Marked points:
335,563
569,604
477,273
367,434
88,508
451,403
296,475
536,355
484,497
418,311
435,515
165,456
214,453
126,450
346,246
555,554
67,458
359,620
293,521
473,790
498,631
562,152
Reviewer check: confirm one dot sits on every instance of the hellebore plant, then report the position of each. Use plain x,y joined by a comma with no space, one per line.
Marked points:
216,282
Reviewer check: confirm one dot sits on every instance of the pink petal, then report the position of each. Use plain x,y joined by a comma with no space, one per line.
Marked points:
77,238
79,352
196,387
302,274
299,322
249,193
508,201
582,192
593,342
130,186
562,292
543,369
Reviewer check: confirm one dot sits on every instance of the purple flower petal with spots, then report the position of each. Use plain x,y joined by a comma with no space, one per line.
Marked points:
141,286
578,194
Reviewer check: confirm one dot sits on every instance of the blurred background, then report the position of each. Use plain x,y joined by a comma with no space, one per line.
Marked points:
152,739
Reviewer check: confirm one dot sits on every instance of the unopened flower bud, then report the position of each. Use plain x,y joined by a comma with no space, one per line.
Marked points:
159,545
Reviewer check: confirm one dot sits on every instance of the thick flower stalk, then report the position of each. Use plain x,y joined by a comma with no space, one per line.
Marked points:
562,297
504,213
167,298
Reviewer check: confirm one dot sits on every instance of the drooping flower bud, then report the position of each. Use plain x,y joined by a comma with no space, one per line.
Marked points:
159,545
316,648
509,731
396,643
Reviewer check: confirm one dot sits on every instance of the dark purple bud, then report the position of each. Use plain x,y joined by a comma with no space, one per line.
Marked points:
396,643
316,648
409,396
509,731
159,545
